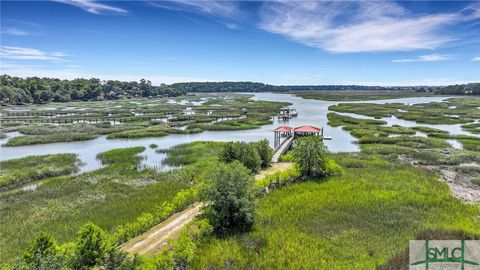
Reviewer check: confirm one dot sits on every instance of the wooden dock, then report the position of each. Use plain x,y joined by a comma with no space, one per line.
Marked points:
282,149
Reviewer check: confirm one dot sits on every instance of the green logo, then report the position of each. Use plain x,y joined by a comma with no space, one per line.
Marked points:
443,253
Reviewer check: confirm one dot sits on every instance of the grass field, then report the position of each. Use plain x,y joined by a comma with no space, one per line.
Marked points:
16,172
112,196
355,221
451,111
357,95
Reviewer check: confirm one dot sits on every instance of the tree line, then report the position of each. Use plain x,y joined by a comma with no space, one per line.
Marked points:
460,89
224,87
16,90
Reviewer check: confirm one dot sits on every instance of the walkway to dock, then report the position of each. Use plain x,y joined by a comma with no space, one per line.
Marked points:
282,149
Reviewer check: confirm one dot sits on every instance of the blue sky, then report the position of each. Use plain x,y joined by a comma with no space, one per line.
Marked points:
278,42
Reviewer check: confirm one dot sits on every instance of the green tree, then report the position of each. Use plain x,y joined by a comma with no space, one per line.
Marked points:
43,253
310,155
246,153
264,151
118,260
184,251
92,245
229,194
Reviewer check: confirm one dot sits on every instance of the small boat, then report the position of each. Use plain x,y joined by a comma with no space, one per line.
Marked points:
293,113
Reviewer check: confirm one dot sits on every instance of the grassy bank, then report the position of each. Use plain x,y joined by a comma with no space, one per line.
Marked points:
115,195
190,153
451,111
17,172
356,95
355,221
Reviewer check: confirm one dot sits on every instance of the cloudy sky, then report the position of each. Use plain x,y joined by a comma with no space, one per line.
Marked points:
278,42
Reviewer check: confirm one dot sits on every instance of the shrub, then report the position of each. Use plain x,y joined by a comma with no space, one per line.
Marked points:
43,253
264,151
229,194
91,246
246,153
311,156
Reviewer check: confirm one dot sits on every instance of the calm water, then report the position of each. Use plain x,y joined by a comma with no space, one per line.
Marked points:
310,112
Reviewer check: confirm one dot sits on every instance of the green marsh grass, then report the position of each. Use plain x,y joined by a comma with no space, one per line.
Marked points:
16,172
112,196
357,95
357,220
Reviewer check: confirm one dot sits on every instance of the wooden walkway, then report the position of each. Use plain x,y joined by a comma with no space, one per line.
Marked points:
282,149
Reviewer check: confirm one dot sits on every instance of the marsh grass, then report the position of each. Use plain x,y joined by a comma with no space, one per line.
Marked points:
354,221
451,111
112,196
335,120
16,172
186,154
140,118
53,138
357,95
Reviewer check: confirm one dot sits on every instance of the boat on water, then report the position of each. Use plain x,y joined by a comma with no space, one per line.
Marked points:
287,113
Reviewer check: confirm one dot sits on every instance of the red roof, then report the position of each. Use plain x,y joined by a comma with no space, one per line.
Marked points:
283,129
307,129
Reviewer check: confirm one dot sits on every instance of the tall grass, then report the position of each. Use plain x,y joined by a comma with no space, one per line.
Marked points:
115,195
16,172
354,221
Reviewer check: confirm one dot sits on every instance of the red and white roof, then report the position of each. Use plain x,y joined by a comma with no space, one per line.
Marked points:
307,129
283,129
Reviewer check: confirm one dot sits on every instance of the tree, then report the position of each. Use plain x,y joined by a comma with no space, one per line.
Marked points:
91,246
184,251
311,156
246,153
118,260
43,254
229,194
264,151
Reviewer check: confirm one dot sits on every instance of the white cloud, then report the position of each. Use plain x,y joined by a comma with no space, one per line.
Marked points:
92,6
20,53
424,58
224,8
472,11
358,26
476,59
232,26
13,31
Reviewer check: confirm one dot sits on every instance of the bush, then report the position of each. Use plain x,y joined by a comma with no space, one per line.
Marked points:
311,156
92,245
246,153
229,194
118,260
43,253
264,151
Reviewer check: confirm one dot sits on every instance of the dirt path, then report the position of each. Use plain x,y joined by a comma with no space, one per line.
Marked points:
153,240
460,190
280,166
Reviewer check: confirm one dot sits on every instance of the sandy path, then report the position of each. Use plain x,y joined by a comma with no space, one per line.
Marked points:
153,240
280,166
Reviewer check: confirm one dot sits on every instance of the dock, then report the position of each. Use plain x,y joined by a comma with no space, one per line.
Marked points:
282,149
290,133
